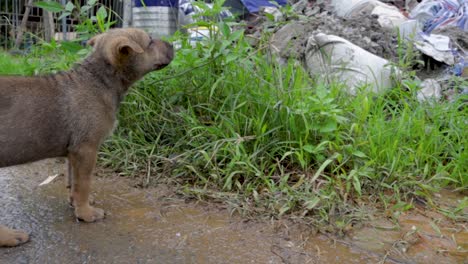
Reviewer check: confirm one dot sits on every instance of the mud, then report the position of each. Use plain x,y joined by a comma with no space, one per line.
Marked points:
155,226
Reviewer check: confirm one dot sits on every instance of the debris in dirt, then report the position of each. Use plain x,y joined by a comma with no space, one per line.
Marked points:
437,47
272,11
400,4
456,35
444,16
389,16
283,42
409,239
430,90
408,29
353,8
404,5
441,86
49,179
459,42
338,58
369,35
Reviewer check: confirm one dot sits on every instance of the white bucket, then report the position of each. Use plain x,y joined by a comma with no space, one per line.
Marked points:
158,17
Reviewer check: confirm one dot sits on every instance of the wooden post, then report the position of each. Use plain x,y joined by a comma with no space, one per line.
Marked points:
19,37
127,13
49,26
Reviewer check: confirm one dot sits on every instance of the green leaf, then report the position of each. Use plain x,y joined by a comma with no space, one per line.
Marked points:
236,35
270,16
101,13
82,52
50,6
359,154
101,18
84,9
225,29
231,57
69,6
322,168
63,15
322,92
329,126
311,204
308,148
357,184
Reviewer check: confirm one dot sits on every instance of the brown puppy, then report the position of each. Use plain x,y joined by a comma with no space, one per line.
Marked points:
70,114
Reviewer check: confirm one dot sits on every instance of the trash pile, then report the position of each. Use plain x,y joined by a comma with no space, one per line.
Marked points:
356,42
359,42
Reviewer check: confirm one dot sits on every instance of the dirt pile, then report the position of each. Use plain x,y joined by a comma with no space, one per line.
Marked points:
364,32
312,18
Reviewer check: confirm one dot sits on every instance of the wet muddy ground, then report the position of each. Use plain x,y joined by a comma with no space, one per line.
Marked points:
153,226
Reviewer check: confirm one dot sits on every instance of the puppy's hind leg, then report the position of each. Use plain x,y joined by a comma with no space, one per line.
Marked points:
82,161
11,238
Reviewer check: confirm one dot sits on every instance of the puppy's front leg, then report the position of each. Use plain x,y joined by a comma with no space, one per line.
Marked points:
82,161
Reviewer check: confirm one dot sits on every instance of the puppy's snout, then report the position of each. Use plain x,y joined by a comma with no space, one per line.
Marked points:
169,51
165,54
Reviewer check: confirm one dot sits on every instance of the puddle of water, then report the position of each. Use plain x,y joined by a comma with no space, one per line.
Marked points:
416,238
148,226
141,226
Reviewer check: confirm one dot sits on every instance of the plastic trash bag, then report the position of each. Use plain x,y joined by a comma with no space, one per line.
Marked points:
441,13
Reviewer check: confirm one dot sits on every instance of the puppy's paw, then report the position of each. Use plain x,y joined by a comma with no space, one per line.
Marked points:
89,214
11,238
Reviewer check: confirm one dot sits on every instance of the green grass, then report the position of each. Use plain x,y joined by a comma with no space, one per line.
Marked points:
225,122
10,65
267,138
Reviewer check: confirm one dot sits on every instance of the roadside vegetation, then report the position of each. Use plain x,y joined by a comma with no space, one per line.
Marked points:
226,122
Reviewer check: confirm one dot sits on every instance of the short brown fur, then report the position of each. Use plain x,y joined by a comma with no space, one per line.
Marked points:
70,114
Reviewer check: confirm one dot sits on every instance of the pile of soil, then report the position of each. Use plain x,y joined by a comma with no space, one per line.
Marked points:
317,17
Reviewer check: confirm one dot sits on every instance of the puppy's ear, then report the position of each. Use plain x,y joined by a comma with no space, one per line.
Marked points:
94,40
118,49
124,46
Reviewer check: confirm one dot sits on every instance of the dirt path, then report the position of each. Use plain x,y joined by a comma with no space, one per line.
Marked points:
145,226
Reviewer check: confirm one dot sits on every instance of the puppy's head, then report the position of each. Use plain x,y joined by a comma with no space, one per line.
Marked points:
132,49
